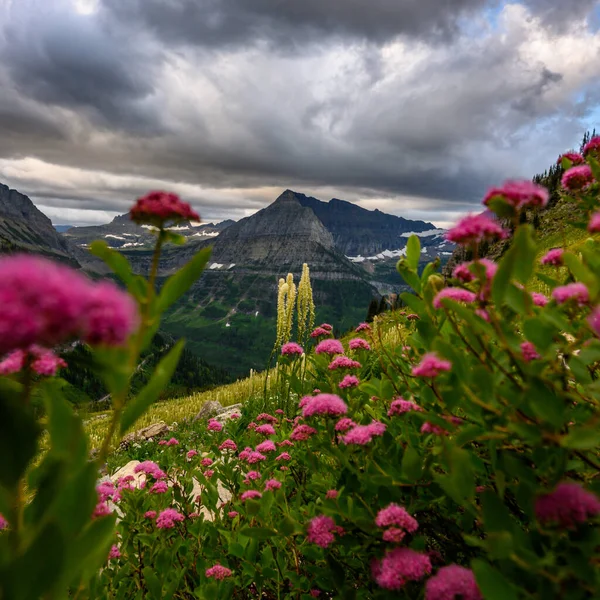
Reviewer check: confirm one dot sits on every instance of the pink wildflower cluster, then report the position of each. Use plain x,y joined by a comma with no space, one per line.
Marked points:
324,404
326,327
272,485
594,224
592,147
361,435
114,552
329,346
214,425
292,349
319,332
453,293
553,257
160,487
359,344
343,362
539,299
397,522
400,566
321,531
349,381
452,582
172,442
46,303
428,427
363,327
574,157
302,432
332,494
519,194
206,462
150,468
191,454
42,361
251,495
344,424
474,229
466,272
284,456
218,572
267,429
399,406
228,445
577,292
577,178
255,457
266,417
150,514
431,365
156,208
3,523
529,352
594,320
266,446
567,506
167,518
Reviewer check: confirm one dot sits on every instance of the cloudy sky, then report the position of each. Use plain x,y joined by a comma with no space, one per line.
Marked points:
410,106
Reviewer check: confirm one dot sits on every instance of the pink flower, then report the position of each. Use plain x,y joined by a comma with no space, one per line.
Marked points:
553,257
329,347
285,443
393,535
519,194
431,365
428,427
568,505
315,593
363,434
252,426
245,453
319,332
265,429
592,146
349,381
344,424
3,523
228,445
412,317
48,304
150,468
302,433
529,352
13,362
266,446
539,299
359,344
160,487
251,495
284,468
451,582
162,443
474,229
150,514
191,454
577,178
280,411
157,208
167,518
233,514
571,291
272,485
218,572
343,362
291,348
326,327
47,363
253,475
173,442
399,566
400,406
363,327
255,457
101,510
453,293
105,490
114,552
206,462
284,456
234,416
304,401
214,425
394,514
463,272
594,320
325,404
332,494
320,531
574,157
208,473
594,224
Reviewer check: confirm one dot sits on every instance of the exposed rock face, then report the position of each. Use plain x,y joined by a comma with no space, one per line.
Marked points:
150,432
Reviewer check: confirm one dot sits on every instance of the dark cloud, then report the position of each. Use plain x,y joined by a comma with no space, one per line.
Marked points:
560,15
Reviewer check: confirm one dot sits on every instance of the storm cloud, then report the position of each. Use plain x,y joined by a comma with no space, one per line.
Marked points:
414,107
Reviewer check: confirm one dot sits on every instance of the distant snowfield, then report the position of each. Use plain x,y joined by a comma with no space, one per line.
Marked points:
205,234
114,237
427,233
216,266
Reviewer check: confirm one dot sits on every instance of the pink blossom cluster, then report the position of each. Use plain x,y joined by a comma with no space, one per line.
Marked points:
465,271
474,229
400,566
361,435
272,485
399,406
326,327
567,506
344,424
206,462
594,320
553,257
266,417
363,327
332,494
191,454
319,332
292,349
574,157
321,531
539,299
577,292
577,178
431,365
397,522
452,581
592,146
167,518
42,361
251,495
218,572
150,468
285,443
349,381
214,425
160,487
324,404
453,293
114,552
329,346
48,304
519,194
267,429
594,224
3,523
157,208
359,344
343,362
228,445
284,456
172,442
255,457
302,433
428,427
266,446
529,352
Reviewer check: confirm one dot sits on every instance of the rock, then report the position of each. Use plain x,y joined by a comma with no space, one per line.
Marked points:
225,415
209,409
129,469
152,431
224,497
233,407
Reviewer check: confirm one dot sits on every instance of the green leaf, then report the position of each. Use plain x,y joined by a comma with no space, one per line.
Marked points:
409,275
258,533
160,378
582,438
120,266
413,252
411,464
595,166
153,583
492,583
177,285
501,207
581,272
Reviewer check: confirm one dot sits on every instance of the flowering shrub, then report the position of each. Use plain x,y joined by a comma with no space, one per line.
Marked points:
459,463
